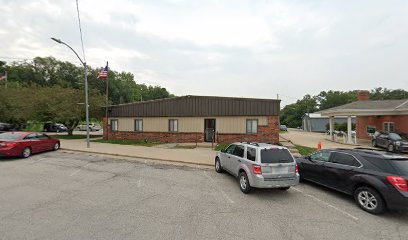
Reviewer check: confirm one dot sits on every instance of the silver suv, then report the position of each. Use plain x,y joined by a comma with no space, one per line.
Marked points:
258,165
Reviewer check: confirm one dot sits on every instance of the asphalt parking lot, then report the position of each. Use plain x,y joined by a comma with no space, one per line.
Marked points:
63,195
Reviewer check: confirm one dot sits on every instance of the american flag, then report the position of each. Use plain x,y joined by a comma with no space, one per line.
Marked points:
104,72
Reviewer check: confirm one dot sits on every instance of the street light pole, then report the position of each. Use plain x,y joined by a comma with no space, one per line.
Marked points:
86,89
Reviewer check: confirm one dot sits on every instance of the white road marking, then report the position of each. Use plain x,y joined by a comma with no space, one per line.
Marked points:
77,171
327,204
218,188
139,181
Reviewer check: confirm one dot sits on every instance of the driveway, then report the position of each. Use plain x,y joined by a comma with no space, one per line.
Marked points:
311,139
60,195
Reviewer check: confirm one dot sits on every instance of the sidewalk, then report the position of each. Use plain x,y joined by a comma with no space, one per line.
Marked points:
200,156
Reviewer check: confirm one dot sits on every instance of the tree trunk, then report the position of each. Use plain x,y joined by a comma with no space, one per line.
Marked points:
71,125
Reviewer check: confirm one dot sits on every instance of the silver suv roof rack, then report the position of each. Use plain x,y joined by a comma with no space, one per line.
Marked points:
252,143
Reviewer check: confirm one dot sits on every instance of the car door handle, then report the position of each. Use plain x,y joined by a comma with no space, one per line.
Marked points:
228,157
239,160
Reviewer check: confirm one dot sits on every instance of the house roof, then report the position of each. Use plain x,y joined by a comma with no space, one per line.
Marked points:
197,106
370,107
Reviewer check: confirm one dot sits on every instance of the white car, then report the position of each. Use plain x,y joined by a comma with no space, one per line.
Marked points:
92,127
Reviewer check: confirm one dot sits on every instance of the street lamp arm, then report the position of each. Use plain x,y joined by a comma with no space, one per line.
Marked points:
61,42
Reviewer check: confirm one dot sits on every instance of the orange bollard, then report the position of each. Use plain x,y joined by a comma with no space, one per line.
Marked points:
319,146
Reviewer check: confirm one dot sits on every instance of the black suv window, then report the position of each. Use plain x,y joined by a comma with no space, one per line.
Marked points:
323,156
401,165
378,163
345,159
230,149
239,151
251,153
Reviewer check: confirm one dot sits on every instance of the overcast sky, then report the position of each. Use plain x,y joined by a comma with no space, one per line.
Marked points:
253,48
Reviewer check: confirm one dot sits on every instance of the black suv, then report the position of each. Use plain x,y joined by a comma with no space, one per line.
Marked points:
377,180
6,127
54,127
393,142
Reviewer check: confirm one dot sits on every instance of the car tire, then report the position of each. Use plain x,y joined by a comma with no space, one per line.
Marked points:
374,143
56,146
244,182
26,152
284,188
217,165
369,200
390,148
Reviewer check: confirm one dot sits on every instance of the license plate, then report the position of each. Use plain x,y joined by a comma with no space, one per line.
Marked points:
279,170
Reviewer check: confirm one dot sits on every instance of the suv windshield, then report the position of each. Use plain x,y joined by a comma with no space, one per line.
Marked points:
275,155
401,165
10,136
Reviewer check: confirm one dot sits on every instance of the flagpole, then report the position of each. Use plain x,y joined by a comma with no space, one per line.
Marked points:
107,103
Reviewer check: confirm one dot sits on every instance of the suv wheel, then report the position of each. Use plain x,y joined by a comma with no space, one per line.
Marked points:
244,183
218,167
374,143
369,200
390,148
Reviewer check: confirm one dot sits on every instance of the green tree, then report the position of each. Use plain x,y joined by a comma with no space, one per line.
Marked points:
291,115
335,98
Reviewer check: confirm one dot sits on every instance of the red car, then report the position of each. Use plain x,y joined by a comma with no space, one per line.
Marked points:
23,144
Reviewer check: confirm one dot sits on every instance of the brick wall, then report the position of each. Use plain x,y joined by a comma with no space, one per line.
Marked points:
400,124
268,133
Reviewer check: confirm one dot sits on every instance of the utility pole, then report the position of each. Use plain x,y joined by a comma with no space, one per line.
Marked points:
107,102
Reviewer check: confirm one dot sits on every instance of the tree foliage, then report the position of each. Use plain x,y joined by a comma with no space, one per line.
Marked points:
47,89
48,72
42,104
291,115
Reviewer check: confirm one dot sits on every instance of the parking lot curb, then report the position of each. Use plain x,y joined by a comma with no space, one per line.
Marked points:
148,158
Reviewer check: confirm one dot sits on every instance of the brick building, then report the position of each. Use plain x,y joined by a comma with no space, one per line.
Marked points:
374,115
195,119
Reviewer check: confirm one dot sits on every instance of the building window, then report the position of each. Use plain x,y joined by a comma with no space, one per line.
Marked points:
173,125
138,125
114,125
252,126
388,127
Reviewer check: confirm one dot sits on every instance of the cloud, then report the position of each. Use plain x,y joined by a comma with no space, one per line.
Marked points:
233,48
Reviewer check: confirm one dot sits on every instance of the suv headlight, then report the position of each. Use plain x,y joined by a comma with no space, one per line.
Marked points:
397,143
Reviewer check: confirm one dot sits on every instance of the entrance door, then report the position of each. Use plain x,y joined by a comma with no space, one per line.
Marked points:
209,129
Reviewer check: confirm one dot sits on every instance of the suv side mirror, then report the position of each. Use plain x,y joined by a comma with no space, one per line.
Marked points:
223,150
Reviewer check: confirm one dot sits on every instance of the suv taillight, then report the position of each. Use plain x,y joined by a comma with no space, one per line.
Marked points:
398,182
296,169
256,169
